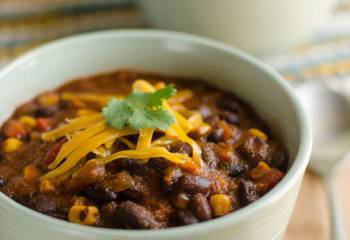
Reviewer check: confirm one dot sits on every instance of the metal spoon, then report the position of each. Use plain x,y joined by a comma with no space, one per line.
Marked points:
329,112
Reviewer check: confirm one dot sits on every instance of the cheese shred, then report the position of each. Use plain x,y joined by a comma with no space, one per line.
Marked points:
89,133
148,153
86,147
73,125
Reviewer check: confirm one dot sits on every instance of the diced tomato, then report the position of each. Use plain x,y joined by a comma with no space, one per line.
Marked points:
14,129
225,152
228,131
43,124
52,153
268,180
190,167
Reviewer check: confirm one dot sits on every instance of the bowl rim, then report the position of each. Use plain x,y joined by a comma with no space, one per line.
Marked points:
292,176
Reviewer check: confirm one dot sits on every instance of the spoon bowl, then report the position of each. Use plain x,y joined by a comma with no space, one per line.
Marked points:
329,112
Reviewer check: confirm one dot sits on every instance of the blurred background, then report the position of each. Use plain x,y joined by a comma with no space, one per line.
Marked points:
305,40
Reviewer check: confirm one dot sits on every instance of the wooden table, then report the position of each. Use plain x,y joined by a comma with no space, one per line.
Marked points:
310,219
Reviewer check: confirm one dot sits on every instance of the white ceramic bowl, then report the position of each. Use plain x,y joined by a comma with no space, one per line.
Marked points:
260,27
171,53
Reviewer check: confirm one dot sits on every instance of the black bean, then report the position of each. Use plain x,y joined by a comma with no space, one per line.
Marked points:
44,112
201,207
131,215
236,168
194,184
100,193
108,212
184,218
209,155
43,203
130,164
279,160
2,181
90,155
254,149
157,135
216,135
229,104
247,192
158,164
230,117
180,147
109,208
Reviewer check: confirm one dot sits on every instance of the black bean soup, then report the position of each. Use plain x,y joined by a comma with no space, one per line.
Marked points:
241,159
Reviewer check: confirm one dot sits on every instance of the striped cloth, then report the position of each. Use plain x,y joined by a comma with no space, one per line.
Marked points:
325,56
28,23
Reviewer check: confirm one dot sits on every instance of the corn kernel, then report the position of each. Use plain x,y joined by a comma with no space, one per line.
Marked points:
258,133
221,204
46,186
85,215
259,170
28,122
30,174
48,99
85,112
11,145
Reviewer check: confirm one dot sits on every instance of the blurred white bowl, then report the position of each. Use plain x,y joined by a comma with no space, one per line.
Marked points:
257,26
170,53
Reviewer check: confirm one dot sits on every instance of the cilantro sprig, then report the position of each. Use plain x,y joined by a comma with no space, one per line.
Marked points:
140,110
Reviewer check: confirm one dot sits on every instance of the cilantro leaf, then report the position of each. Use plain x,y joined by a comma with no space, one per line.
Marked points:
164,93
158,118
140,110
116,113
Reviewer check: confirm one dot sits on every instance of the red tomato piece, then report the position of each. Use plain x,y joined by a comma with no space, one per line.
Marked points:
43,124
268,180
14,129
52,153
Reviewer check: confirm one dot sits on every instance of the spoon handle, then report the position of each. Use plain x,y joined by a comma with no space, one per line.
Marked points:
337,228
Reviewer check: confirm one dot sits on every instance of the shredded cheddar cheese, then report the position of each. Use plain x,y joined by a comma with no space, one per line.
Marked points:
86,147
89,133
127,142
75,124
163,141
149,153
145,138
76,141
176,130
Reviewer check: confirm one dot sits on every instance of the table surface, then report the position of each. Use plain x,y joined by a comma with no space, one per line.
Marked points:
310,217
